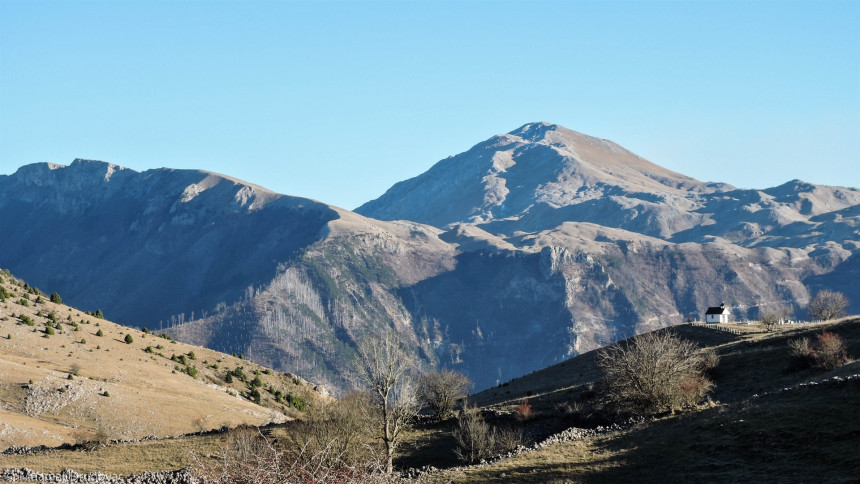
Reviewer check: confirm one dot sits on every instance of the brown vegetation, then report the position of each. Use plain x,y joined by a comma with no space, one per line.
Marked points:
652,373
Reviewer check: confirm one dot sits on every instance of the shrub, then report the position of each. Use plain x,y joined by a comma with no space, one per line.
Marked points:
475,438
652,373
829,352
296,402
523,410
49,331
56,299
100,333
256,382
228,378
342,427
801,353
128,339
249,457
191,371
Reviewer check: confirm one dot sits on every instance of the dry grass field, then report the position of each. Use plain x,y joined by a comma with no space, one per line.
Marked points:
85,383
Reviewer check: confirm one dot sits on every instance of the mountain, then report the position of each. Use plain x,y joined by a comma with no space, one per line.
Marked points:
541,176
527,249
148,246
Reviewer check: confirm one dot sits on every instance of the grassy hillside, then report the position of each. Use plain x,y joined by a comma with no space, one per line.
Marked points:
71,377
764,421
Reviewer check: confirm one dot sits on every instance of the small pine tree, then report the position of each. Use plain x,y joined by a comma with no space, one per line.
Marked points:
128,339
100,333
49,331
56,299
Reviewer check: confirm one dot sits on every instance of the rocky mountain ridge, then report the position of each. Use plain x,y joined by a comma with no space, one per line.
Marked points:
542,238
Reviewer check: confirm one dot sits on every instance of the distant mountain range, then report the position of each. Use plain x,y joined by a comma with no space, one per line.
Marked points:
524,250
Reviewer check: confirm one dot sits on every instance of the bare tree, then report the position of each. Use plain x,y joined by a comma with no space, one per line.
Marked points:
384,367
770,317
441,390
828,305
652,373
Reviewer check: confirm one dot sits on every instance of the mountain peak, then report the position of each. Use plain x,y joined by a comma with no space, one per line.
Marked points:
534,131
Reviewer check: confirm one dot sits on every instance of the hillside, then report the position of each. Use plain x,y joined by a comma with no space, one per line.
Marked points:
71,377
539,238
763,421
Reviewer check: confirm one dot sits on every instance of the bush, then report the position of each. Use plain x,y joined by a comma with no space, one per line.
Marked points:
249,457
128,339
343,427
100,333
523,410
801,353
829,352
56,299
475,440
652,373
296,402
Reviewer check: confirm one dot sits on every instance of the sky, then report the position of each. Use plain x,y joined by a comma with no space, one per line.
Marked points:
337,101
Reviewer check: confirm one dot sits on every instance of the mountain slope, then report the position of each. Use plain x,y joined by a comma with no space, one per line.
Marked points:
123,240
79,379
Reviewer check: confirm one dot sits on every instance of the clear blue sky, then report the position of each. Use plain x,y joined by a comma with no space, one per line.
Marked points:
339,100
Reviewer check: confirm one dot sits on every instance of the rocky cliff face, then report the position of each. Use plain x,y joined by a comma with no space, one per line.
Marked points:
527,249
